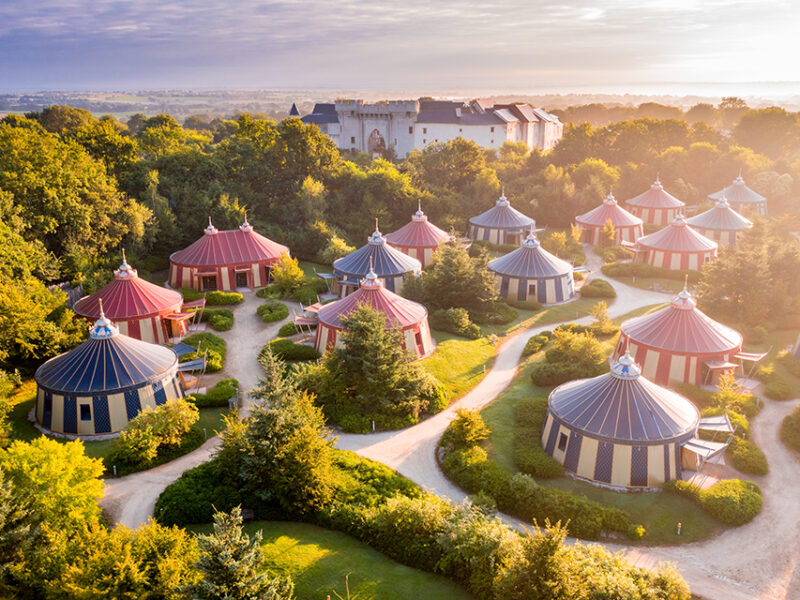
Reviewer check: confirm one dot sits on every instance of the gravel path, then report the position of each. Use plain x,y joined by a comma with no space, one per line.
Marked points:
130,500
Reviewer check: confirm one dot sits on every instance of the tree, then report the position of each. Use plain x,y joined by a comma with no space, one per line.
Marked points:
230,563
772,131
608,237
61,119
18,529
373,377
61,483
603,322
702,112
287,274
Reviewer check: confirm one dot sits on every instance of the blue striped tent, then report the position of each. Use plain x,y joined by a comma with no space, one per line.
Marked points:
389,264
501,224
105,382
531,273
619,429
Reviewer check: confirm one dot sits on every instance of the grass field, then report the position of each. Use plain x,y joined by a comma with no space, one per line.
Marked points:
319,560
22,429
658,512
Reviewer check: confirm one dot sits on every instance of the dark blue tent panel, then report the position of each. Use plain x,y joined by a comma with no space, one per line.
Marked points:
604,462
530,261
102,418
502,216
385,260
639,466
132,404
70,414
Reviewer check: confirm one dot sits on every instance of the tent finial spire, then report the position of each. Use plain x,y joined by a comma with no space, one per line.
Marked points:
686,283
658,176
209,221
124,259
102,314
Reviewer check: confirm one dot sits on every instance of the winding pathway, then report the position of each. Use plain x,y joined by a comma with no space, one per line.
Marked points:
758,561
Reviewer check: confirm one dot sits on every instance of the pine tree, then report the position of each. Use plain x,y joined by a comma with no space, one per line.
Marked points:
230,564
275,385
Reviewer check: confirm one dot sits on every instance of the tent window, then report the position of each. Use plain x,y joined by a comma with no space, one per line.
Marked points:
86,412
418,339
531,289
562,441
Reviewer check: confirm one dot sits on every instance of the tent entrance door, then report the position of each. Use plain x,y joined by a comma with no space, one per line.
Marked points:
208,283
242,279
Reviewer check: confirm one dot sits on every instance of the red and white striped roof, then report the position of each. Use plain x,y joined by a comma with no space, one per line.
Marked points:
655,197
399,312
419,233
128,297
678,236
229,247
721,218
682,328
609,210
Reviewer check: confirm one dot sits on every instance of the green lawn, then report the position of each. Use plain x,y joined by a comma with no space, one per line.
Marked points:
22,429
319,560
458,363
646,283
309,267
658,512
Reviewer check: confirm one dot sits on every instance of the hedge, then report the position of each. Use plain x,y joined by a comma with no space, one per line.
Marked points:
215,346
224,390
220,319
790,429
272,311
524,304
746,457
598,288
775,384
500,313
271,291
288,350
455,321
529,456
732,501
789,362
288,330
217,298
545,374
536,343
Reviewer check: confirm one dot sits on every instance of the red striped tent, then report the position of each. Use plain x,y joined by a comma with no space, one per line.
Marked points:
720,223
677,247
225,260
140,309
410,317
677,342
742,197
656,205
627,227
419,239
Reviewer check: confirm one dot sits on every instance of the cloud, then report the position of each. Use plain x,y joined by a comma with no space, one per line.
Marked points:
380,43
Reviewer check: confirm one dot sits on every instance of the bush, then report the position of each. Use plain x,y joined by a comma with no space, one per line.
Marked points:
789,362
578,276
500,313
197,495
221,322
534,344
271,291
216,396
546,374
598,288
217,297
790,429
524,304
272,311
288,350
732,501
615,253
287,274
288,330
746,457
190,294
305,294
775,384
456,321
467,430
529,456
209,344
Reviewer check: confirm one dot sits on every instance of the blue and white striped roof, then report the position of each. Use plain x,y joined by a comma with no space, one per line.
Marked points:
530,261
622,406
378,256
108,362
502,216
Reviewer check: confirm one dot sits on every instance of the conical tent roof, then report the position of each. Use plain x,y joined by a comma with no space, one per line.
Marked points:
678,236
128,297
502,216
399,311
530,261
683,329
377,255
721,218
233,246
419,233
655,197
608,210
623,406
108,362
738,193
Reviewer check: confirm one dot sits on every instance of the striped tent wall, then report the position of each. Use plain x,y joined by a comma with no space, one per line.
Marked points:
422,254
393,283
416,338
495,235
665,367
220,277
100,414
593,235
723,238
610,462
550,290
152,329
655,216
679,261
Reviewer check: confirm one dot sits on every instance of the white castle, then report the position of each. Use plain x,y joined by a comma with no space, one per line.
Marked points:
408,124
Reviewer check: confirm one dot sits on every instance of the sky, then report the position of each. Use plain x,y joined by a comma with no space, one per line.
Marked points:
502,45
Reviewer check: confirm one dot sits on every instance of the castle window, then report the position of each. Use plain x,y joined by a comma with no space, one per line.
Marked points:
424,130
424,141
492,142
352,140
460,130
491,129
411,130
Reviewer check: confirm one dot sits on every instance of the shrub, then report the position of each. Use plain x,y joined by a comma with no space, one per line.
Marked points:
456,321
578,276
545,374
789,362
305,294
197,495
221,322
209,344
190,294
271,291
636,532
598,288
615,253
287,330
732,501
287,274
529,456
272,311
467,429
499,313
217,297
524,304
288,350
775,384
534,344
790,429
746,457
224,390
